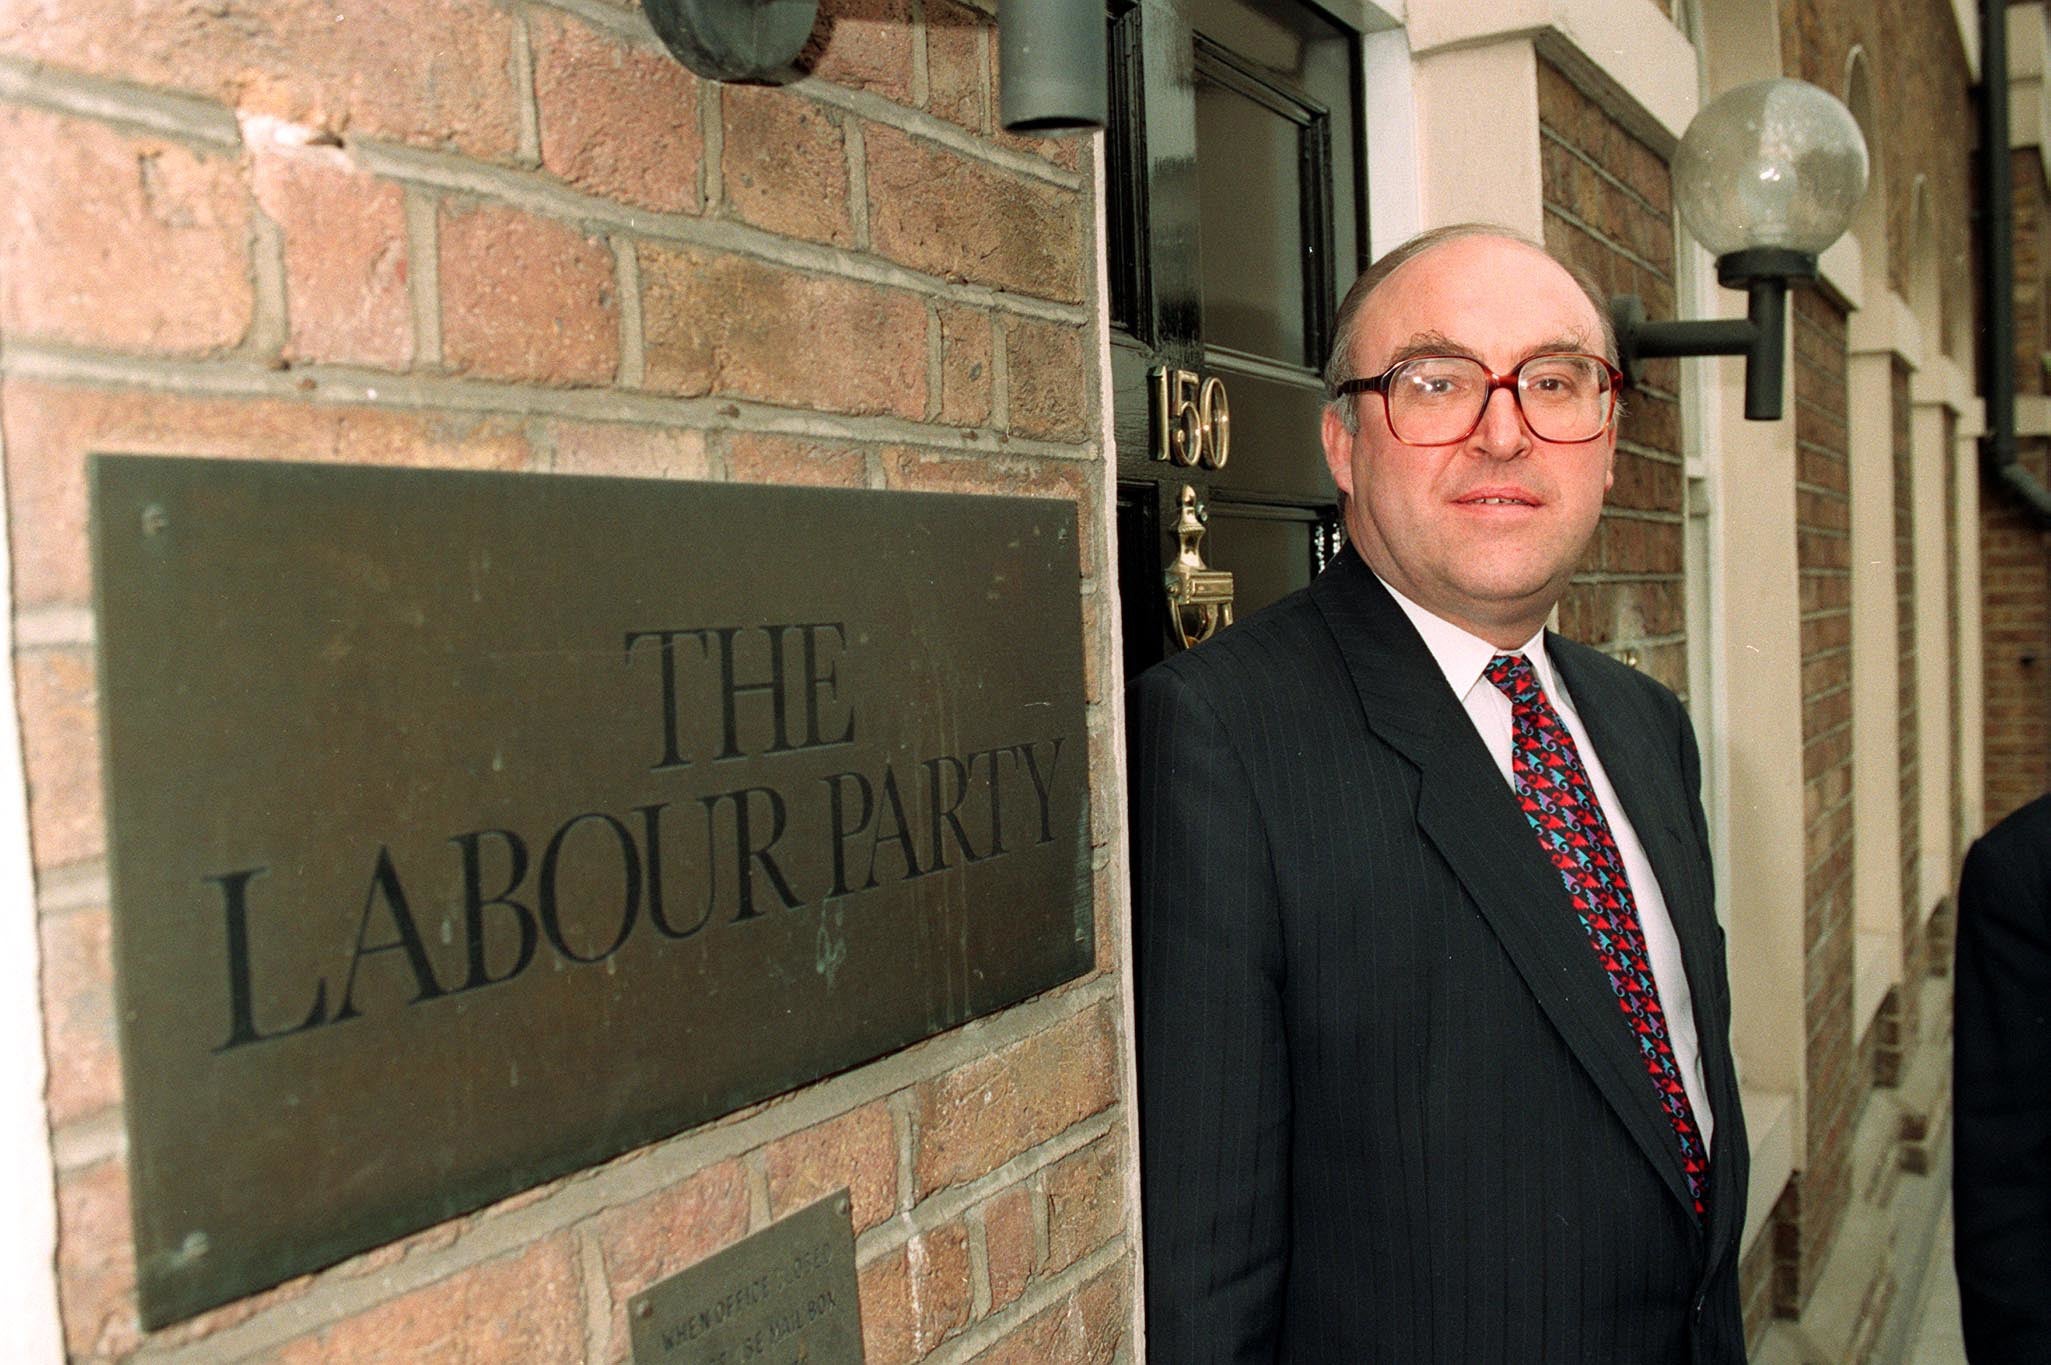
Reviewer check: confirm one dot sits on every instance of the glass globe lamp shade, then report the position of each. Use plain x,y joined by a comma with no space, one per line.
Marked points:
1776,164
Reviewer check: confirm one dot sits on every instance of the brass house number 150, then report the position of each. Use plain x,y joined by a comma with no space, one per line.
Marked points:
1192,419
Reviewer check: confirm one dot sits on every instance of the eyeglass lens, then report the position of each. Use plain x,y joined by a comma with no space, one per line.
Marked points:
1436,399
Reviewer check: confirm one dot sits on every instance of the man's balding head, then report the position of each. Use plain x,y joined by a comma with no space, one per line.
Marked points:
1343,364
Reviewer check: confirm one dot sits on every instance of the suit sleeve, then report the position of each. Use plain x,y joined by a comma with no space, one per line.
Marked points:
2002,1180
1213,1078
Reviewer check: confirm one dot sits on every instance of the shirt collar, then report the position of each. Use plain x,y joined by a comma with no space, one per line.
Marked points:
1463,656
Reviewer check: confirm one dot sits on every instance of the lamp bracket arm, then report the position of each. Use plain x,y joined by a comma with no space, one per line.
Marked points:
1639,340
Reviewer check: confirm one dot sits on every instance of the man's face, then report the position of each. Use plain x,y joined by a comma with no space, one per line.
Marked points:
1483,532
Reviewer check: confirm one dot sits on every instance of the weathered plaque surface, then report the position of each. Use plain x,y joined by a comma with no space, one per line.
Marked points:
467,829
785,1296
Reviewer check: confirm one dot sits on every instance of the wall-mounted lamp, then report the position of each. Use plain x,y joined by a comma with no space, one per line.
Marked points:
1766,177
1053,66
734,40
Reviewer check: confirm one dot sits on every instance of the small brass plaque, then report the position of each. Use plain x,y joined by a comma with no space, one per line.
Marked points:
785,1296
469,829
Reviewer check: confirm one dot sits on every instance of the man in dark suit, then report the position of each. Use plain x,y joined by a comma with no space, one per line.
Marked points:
1434,1059
2001,1184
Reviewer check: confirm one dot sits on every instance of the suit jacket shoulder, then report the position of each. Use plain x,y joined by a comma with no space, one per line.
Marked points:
2021,842
2002,1089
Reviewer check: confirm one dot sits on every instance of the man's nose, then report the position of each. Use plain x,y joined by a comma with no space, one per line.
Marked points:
1501,432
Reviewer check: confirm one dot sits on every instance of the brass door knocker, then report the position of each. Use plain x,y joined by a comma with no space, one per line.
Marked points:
1199,597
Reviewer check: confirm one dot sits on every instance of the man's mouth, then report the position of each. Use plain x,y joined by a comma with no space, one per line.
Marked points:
1498,498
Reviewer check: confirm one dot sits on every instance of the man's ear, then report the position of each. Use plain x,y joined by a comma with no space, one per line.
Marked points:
1338,444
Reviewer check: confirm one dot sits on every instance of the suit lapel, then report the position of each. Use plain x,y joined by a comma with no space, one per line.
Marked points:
1470,815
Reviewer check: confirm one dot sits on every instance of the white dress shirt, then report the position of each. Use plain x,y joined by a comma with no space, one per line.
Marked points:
1464,659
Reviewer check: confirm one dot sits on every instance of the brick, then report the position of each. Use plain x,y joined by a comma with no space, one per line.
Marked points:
617,120
526,298
60,739
784,164
1069,151
522,1306
96,1261
1010,1243
660,1234
1085,1201
957,64
1645,484
638,452
865,44
864,347
1049,381
930,471
1085,1328
916,1297
952,216
112,240
78,1014
433,72
858,1150
48,429
1628,545
756,457
1648,419
1603,613
981,1115
964,366
346,298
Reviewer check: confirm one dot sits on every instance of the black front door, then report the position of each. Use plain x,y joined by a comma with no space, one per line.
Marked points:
1235,188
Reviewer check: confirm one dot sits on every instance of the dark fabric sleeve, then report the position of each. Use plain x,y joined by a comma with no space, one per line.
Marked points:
2002,1179
1214,1095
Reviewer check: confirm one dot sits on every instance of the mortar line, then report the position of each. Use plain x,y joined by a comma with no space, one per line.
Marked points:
356,387
188,119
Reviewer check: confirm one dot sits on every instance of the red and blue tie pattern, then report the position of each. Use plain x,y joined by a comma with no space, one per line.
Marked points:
1553,790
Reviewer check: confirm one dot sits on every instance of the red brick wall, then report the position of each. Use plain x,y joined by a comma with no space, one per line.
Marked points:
2015,582
1823,564
2015,553
522,237
1608,208
1918,65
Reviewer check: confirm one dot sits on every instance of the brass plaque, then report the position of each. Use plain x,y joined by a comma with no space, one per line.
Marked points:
785,1296
468,829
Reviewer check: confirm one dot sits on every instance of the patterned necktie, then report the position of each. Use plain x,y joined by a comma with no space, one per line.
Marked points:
1553,789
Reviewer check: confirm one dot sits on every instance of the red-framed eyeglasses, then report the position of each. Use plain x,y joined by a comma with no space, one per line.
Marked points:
1433,400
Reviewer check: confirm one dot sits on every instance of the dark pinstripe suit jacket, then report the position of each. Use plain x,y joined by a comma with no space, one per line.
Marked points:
1389,1108
2002,1083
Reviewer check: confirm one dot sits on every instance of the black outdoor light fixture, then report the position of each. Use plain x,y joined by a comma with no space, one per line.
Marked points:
1053,66
1766,177
1051,53
734,40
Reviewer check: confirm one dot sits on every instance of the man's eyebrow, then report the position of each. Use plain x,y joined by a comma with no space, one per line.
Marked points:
1429,343
1438,343
1575,342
